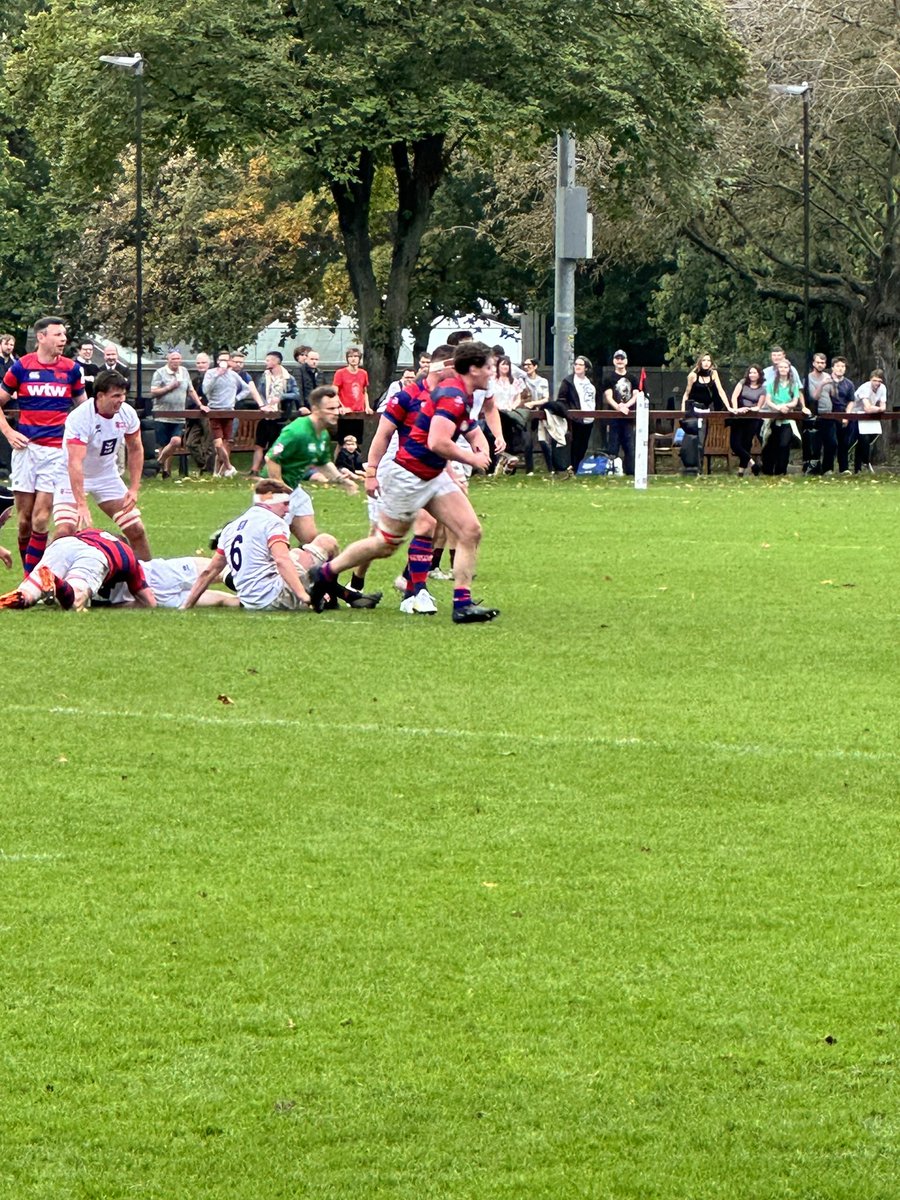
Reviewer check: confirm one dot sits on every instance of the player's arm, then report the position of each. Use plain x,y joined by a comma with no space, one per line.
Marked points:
134,459
332,475
441,440
491,415
380,442
18,441
208,575
286,569
5,557
144,598
76,452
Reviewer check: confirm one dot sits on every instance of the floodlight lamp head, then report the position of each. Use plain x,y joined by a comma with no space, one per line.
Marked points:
790,89
125,62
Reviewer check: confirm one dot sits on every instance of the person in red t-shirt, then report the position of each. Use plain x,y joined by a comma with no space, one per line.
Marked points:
352,383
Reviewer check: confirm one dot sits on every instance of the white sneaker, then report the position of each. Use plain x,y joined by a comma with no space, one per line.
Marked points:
406,606
423,603
230,473
437,573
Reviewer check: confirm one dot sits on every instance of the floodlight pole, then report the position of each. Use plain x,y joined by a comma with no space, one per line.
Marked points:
564,283
134,64
802,90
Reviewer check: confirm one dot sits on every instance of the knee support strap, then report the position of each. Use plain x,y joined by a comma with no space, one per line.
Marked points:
391,539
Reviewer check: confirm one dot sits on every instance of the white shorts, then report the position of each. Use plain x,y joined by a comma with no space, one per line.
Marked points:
36,468
76,562
284,601
170,580
461,472
106,487
403,494
300,506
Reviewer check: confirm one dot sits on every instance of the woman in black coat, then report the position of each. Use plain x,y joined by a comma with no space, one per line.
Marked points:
577,391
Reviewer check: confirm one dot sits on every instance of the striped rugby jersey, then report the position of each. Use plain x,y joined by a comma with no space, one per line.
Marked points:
46,393
450,400
123,564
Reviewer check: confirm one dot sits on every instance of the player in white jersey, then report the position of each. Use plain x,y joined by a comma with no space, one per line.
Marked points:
171,580
255,549
94,431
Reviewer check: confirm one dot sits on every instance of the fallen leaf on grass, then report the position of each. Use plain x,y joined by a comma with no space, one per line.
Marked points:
62,758
766,546
223,699
484,883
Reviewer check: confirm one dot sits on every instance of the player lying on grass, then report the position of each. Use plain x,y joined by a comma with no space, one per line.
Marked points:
263,572
171,580
73,569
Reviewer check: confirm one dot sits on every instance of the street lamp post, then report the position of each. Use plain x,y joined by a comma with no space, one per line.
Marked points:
134,65
803,90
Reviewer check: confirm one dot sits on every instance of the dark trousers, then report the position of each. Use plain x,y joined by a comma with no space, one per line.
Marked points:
556,457
620,441
581,436
828,431
844,437
743,431
777,451
864,444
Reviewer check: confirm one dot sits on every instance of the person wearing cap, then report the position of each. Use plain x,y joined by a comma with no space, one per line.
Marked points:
620,393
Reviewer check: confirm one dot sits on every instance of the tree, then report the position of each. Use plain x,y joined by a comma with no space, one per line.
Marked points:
347,87
850,53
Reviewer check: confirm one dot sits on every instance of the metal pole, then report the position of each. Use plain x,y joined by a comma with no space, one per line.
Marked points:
139,232
564,285
806,346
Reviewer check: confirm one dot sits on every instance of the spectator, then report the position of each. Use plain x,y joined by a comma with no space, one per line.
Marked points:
278,390
577,391
777,356
537,393
397,385
197,438
7,352
238,364
747,396
703,393
816,380
869,400
348,459
619,392
89,370
222,388
352,384
843,391
310,379
111,363
783,395
170,387
508,392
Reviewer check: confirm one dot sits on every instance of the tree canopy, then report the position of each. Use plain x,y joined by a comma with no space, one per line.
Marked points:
340,91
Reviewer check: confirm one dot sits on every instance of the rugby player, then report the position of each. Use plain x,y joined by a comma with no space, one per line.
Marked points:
93,433
417,479
396,421
47,385
303,451
74,569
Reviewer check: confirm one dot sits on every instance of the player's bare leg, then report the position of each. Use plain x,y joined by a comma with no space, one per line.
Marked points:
130,523
454,510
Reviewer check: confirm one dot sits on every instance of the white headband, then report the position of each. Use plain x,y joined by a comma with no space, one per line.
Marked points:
269,498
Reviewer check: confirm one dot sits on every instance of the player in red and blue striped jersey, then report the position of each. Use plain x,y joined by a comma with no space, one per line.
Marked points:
74,568
397,420
416,479
47,386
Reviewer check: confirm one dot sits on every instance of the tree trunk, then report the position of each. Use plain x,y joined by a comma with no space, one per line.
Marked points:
381,318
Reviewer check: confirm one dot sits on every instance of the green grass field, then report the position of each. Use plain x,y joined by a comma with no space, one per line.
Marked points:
599,900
